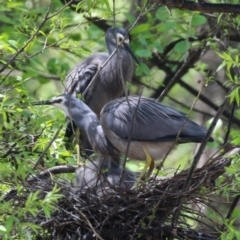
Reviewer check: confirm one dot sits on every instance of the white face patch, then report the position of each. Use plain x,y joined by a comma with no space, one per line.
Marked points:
61,105
120,37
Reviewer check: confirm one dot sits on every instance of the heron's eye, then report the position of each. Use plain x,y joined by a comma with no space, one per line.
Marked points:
120,39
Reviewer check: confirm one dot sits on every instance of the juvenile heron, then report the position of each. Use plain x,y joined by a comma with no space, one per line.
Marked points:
151,127
104,172
109,83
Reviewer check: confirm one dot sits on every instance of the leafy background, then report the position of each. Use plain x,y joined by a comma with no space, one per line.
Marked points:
189,60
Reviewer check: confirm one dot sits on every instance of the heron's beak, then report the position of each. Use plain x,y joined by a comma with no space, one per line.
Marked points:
131,52
47,102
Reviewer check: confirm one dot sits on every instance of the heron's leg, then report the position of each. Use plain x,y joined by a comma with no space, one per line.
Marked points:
78,146
148,165
151,164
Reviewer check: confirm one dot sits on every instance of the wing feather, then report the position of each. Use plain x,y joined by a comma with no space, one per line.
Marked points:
152,121
79,78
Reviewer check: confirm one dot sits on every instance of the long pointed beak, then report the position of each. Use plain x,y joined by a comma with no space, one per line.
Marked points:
47,102
131,52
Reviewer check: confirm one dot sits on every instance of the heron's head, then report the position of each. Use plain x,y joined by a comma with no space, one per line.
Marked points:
65,102
119,37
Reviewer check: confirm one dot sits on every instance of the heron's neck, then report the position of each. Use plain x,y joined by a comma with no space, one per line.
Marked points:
121,65
111,48
90,124
121,49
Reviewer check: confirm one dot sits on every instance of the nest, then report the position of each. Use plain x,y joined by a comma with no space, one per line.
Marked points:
112,212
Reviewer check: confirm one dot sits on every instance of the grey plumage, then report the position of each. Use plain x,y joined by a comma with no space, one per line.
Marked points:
104,172
154,132
109,83
155,127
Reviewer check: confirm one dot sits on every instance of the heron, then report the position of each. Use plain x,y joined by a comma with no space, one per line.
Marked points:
150,128
104,172
109,83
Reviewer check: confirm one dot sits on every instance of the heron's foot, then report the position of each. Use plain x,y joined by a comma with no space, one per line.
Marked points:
140,183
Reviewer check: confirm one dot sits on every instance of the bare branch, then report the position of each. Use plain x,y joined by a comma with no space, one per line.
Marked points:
200,6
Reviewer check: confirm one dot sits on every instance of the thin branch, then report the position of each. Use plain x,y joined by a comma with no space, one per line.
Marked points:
197,157
129,137
54,170
200,6
206,100
28,42
47,147
233,205
46,18
230,122
174,78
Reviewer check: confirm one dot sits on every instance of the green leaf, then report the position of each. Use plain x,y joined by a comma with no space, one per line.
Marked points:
9,223
166,26
2,229
144,53
142,39
107,5
46,211
235,96
221,66
142,69
162,13
52,65
141,28
198,20
182,46
159,47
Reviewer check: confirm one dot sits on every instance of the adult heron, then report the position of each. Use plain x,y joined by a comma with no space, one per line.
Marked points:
109,83
152,129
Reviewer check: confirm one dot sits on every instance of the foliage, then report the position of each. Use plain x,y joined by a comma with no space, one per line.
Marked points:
41,41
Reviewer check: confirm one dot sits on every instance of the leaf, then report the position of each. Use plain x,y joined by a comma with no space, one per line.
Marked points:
9,223
107,5
221,66
142,39
182,46
198,20
52,65
142,68
166,26
141,28
2,229
162,13
144,53
159,47
46,211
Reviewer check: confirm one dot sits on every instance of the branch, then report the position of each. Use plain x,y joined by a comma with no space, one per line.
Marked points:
54,170
197,157
200,6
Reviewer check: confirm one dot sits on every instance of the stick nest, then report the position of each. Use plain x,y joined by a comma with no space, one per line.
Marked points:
111,212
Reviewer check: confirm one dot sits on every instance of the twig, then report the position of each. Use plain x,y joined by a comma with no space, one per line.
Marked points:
200,6
230,122
233,205
174,78
28,42
47,147
89,224
54,170
129,137
180,130
197,157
